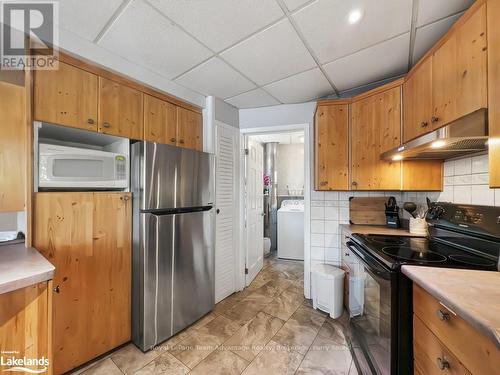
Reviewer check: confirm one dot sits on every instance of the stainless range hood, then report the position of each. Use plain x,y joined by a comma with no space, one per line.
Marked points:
467,135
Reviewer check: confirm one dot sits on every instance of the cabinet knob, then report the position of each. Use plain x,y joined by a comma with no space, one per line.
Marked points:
434,119
217,211
181,141
56,289
125,198
323,183
172,140
443,315
90,121
443,364
424,124
106,125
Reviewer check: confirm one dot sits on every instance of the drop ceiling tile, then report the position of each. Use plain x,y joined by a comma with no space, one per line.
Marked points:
373,64
253,99
144,36
300,87
428,35
86,18
326,29
433,10
270,55
215,77
220,23
294,4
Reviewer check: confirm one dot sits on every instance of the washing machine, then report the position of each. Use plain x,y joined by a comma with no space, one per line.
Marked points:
291,230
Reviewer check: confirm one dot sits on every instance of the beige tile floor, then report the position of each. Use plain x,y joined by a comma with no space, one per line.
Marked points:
268,328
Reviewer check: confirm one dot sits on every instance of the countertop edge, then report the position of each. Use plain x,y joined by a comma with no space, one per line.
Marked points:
26,282
482,327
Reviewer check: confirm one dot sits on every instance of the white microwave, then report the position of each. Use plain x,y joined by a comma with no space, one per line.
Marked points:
62,167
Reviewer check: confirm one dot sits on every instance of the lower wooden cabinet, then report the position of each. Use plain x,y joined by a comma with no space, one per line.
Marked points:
444,342
25,324
87,236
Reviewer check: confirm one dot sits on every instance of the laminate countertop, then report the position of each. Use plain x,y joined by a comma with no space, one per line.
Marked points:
376,229
21,267
472,295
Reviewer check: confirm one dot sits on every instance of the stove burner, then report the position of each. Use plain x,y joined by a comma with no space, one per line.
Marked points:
472,260
407,253
388,241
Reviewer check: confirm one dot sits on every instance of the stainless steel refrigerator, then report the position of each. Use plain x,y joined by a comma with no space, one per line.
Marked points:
173,240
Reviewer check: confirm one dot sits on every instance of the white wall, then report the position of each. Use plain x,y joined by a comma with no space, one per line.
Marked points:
287,114
290,167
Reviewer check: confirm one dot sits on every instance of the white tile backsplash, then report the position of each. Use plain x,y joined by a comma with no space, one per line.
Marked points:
480,164
462,194
483,195
332,213
463,166
317,226
317,213
449,168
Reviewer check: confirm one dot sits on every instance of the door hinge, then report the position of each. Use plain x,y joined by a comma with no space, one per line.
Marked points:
246,271
247,151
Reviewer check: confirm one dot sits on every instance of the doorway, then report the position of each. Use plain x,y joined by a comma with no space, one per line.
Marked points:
276,182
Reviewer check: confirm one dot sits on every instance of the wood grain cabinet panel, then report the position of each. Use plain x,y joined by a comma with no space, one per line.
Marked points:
26,323
417,102
160,121
120,110
332,147
189,129
12,147
422,175
67,96
477,353
459,71
376,128
87,237
494,91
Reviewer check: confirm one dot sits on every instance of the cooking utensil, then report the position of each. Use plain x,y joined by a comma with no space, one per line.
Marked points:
410,207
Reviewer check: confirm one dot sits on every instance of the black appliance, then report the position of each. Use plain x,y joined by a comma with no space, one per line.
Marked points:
460,236
392,213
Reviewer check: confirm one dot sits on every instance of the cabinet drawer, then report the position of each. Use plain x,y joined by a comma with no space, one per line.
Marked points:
431,356
477,352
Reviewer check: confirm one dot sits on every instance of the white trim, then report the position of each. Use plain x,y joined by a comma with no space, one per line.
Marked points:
306,127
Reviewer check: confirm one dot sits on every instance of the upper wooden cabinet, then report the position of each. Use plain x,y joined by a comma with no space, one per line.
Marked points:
459,71
189,129
67,96
494,91
120,110
417,102
376,128
87,236
160,121
13,136
332,146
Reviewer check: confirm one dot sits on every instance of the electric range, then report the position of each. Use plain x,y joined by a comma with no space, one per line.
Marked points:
460,236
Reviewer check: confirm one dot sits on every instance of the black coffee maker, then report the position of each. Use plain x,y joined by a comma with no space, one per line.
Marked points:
392,213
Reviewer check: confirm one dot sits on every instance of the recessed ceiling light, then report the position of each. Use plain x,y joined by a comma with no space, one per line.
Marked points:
354,16
438,144
397,157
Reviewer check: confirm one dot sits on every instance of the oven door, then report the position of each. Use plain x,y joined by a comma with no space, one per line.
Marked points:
374,329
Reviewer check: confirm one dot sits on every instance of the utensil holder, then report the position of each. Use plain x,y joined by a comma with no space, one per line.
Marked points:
418,227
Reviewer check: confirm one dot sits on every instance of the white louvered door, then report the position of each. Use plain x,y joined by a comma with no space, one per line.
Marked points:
226,230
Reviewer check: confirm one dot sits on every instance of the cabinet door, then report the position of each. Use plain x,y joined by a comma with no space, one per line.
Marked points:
189,129
160,121
332,147
67,96
87,237
12,147
120,110
376,128
494,91
460,71
417,100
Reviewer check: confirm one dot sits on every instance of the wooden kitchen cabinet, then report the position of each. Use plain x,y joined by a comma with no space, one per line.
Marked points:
160,121
494,91
332,146
13,133
459,71
67,96
120,110
417,101
376,128
189,129
87,236
26,323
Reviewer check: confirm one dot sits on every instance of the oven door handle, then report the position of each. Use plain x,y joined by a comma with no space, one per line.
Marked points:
370,263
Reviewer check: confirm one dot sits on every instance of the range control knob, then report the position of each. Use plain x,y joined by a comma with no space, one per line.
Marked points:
435,213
